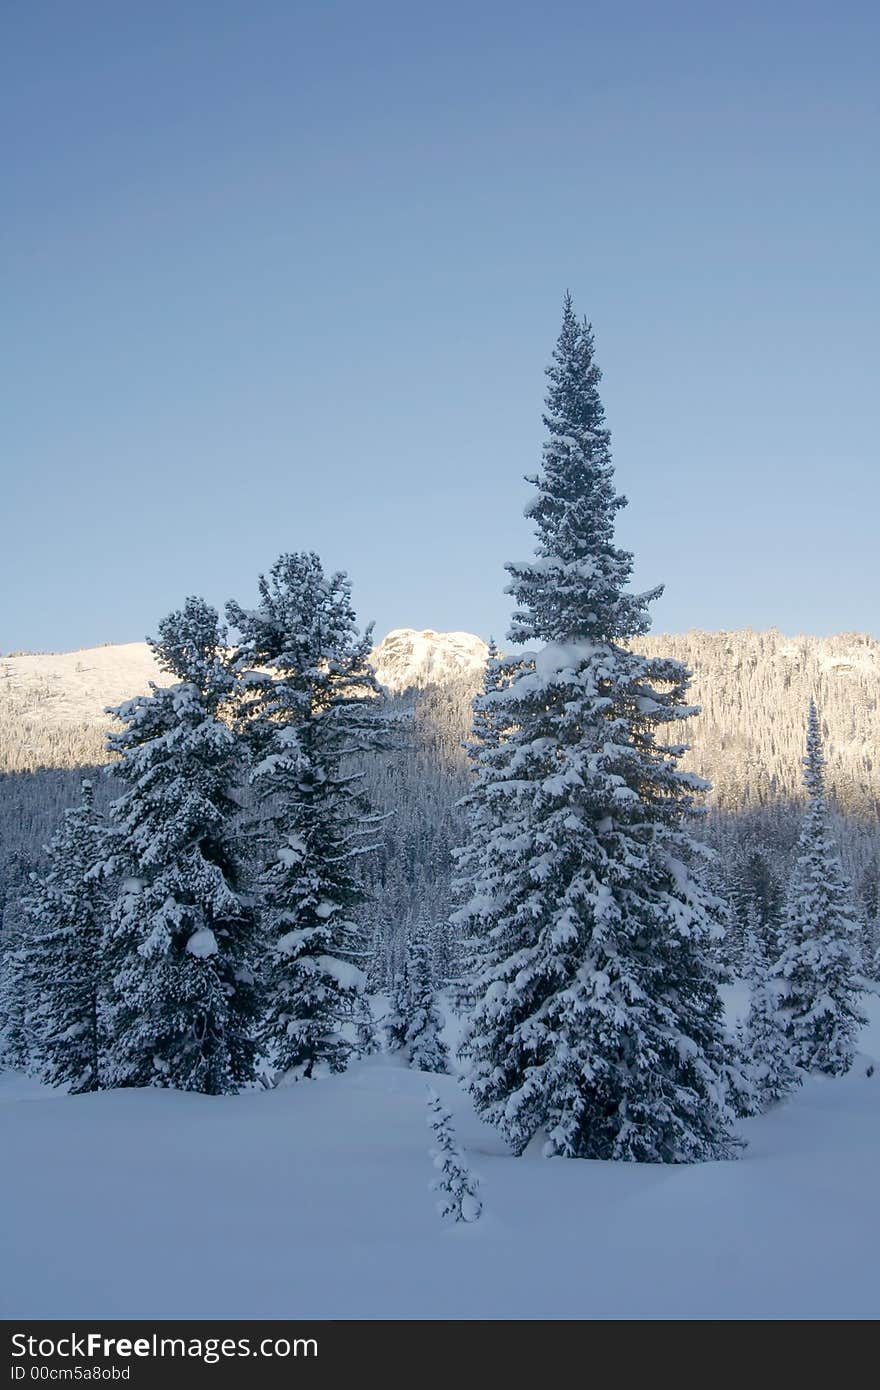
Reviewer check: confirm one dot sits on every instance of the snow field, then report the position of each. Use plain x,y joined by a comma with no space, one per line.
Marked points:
313,1201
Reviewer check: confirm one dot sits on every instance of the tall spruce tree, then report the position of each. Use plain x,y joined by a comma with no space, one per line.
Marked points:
64,962
181,936
819,968
598,1020
308,700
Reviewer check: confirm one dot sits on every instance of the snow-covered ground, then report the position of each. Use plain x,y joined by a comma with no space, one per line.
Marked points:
313,1202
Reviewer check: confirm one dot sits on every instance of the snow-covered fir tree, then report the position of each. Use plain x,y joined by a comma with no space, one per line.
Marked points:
396,1020
423,1040
181,937
444,953
869,903
16,1043
475,861
457,1187
308,702
754,955
64,966
756,898
367,1034
764,1046
598,1021
871,955
766,1070
819,967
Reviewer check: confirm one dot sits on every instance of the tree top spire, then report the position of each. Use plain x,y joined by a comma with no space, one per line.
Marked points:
814,762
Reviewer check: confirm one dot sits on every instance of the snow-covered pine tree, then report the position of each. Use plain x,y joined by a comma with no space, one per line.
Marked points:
375,940
64,963
181,936
819,967
444,953
869,905
757,901
423,1040
16,1043
476,861
457,1187
754,961
598,1019
308,705
396,1020
872,950
765,1049
366,1032
766,1072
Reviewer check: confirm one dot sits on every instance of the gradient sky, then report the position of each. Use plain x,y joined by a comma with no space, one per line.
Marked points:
285,276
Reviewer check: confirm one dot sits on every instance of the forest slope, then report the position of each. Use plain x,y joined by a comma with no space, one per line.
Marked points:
753,689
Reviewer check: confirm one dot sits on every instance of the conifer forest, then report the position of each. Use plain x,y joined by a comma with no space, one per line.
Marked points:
616,894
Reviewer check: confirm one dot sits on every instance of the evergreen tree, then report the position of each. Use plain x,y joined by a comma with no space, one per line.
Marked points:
871,955
64,961
182,932
16,1042
869,890
476,861
869,898
368,1038
308,700
17,871
396,1020
765,1048
758,901
423,1039
768,1073
443,952
597,1019
754,952
819,967
458,1188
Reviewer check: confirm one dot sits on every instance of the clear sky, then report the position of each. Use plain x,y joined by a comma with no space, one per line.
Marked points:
282,275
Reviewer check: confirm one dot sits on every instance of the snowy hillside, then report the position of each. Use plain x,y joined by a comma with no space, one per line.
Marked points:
753,688
52,703
74,687
312,1201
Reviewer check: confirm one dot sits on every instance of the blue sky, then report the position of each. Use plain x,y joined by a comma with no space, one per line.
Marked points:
286,276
